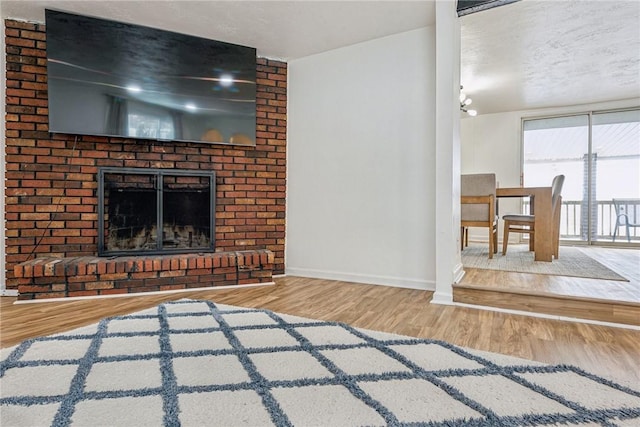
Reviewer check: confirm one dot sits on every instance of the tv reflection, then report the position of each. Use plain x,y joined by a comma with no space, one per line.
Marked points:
123,80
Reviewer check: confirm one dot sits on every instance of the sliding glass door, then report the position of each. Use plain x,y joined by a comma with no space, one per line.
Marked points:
616,175
599,154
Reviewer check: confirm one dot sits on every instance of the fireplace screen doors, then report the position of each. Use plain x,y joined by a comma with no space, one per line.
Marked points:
154,211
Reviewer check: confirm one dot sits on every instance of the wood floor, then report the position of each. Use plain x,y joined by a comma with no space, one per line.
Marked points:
607,351
595,299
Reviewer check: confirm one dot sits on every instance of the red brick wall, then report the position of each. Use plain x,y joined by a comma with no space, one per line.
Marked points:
51,201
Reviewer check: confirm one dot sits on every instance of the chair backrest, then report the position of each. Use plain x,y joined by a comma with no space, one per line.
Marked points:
212,135
482,184
627,211
241,139
556,190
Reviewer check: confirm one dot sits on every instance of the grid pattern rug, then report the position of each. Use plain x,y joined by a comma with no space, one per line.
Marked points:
571,262
197,363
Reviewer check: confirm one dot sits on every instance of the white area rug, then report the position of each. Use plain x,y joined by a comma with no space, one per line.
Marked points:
571,262
196,363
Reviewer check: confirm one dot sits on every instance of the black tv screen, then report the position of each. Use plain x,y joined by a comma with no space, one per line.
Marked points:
116,79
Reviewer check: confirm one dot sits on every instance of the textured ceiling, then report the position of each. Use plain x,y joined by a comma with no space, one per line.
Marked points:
277,29
533,54
525,55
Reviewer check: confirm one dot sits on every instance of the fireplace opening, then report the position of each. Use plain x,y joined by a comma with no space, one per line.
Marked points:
146,211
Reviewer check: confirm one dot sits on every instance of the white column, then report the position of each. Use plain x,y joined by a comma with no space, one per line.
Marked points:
447,161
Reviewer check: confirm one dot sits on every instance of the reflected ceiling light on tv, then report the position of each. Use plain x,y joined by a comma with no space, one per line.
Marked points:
465,102
226,80
149,76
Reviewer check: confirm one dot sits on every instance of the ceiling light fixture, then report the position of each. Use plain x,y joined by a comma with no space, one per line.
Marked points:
465,102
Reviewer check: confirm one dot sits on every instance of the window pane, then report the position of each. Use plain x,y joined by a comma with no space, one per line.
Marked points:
616,171
147,121
555,146
601,194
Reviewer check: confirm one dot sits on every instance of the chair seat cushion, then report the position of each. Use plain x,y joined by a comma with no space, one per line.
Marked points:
524,218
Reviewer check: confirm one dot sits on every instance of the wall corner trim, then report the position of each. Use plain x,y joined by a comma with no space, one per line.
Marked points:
458,273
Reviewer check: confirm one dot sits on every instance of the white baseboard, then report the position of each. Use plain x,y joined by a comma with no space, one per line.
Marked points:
398,282
458,273
442,298
8,293
141,294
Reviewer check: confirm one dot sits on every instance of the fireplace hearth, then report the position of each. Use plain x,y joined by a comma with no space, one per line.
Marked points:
155,211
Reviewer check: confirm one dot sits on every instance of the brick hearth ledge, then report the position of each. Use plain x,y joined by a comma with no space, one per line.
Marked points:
91,275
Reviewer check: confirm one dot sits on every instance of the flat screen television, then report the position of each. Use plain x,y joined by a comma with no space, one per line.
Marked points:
117,79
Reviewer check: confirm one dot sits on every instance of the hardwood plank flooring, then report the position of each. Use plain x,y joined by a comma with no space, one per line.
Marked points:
581,308
624,261
607,351
539,284
595,299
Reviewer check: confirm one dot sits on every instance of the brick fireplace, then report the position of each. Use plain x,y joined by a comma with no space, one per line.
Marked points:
51,199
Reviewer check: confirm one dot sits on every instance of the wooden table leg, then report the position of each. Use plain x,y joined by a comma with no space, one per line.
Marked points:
543,241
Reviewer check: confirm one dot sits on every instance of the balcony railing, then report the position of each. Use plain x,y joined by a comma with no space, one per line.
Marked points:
573,225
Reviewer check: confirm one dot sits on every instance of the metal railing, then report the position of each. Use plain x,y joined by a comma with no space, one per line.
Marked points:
573,220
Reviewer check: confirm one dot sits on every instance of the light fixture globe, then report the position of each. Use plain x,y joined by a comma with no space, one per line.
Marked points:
464,102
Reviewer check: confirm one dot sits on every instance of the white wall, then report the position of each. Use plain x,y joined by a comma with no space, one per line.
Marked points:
492,143
361,181
73,116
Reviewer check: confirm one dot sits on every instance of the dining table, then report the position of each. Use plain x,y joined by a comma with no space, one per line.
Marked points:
540,208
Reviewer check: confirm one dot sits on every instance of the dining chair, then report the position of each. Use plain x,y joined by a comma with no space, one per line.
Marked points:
478,207
241,139
515,223
212,135
626,216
